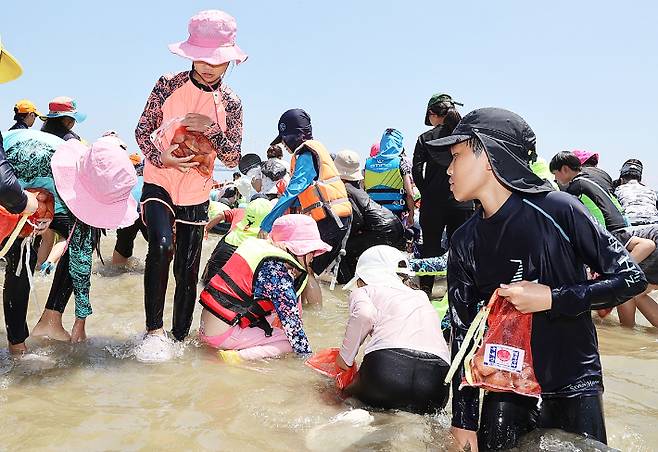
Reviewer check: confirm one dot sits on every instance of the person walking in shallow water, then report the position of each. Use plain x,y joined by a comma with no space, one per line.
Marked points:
175,194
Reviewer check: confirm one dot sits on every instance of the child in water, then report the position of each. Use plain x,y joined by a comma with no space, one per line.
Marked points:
175,194
247,226
66,169
527,232
407,358
251,306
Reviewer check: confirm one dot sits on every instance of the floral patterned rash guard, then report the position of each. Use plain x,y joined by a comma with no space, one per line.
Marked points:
227,143
275,283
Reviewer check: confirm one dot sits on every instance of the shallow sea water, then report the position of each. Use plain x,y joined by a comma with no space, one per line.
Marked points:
95,396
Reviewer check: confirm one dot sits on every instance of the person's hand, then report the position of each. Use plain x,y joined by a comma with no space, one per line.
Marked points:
307,262
262,234
182,164
32,203
340,363
527,296
465,438
196,122
409,221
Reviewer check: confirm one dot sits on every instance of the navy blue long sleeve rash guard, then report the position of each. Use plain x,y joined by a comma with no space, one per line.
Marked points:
547,238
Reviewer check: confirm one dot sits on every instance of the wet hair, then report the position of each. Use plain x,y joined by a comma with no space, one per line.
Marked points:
451,119
230,192
275,152
630,176
476,145
55,126
564,158
19,117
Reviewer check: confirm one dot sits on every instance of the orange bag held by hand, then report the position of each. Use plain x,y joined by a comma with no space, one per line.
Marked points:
324,362
197,144
189,143
40,219
499,360
14,225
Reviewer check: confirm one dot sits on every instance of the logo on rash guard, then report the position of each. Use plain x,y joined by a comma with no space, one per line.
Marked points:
632,273
518,276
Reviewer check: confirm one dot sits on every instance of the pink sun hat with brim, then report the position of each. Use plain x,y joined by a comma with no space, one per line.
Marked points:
211,40
584,156
95,182
299,233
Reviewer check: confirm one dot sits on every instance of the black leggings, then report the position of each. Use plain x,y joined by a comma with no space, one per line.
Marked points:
220,255
126,238
506,417
62,286
433,220
399,378
185,249
16,292
332,234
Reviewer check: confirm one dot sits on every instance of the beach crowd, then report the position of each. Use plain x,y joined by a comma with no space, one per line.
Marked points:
532,248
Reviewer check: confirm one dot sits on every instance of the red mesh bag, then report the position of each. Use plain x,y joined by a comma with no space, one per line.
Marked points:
501,361
196,144
40,219
324,362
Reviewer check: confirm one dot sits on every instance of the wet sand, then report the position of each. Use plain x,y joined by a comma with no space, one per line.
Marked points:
95,396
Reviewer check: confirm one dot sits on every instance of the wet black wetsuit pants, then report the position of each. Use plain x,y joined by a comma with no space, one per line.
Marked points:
399,378
332,234
433,220
507,417
62,286
16,292
126,238
184,248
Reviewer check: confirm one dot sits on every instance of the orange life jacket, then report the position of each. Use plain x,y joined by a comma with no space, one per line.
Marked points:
327,194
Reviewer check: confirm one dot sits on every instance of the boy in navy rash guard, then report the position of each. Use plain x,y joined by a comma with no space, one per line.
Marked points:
529,233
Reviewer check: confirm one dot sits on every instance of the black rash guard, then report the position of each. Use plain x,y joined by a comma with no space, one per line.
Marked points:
598,200
548,238
12,196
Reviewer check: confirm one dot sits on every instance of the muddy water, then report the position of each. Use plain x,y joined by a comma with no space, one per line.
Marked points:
95,396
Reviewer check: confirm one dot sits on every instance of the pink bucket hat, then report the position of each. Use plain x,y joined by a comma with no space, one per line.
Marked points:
95,182
212,39
584,156
299,233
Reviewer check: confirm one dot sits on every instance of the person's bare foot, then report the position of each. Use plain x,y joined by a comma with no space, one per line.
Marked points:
119,260
50,325
17,350
78,333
